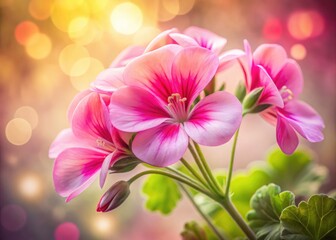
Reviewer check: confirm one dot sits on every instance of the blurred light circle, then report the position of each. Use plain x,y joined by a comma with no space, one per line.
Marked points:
64,11
29,114
145,35
13,217
30,186
24,31
103,225
83,81
89,33
38,46
80,67
70,55
77,24
40,9
18,131
305,24
272,29
126,18
171,6
67,231
185,6
298,51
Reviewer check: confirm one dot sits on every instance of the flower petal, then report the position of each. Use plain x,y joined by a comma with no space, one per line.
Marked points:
214,119
304,119
79,97
161,40
104,169
153,71
270,94
91,119
109,80
127,55
271,56
184,40
286,136
65,139
290,76
192,70
228,58
206,38
162,145
75,169
134,109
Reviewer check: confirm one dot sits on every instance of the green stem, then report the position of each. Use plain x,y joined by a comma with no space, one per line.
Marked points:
177,178
207,168
201,168
230,208
182,175
205,217
193,172
233,151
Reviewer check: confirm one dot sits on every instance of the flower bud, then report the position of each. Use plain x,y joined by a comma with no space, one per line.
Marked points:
114,197
240,92
192,231
252,98
125,165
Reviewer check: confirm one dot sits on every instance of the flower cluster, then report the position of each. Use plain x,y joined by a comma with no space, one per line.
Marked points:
152,101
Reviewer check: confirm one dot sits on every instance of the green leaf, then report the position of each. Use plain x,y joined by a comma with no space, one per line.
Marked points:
192,231
297,172
267,204
162,193
315,219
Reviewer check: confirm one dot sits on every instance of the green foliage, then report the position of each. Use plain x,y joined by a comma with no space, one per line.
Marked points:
162,194
297,172
315,219
192,231
267,204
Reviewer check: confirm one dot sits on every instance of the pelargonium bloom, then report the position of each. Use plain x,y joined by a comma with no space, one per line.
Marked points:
282,80
158,104
91,146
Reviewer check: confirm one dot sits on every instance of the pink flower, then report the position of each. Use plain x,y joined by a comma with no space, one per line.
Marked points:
158,103
90,146
282,81
195,36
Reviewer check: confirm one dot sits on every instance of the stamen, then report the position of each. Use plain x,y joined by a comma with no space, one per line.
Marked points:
286,93
176,107
105,145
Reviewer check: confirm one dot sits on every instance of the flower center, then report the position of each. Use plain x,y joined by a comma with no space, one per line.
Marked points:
105,145
286,94
177,107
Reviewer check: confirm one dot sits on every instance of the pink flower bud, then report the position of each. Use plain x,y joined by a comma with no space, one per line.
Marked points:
114,197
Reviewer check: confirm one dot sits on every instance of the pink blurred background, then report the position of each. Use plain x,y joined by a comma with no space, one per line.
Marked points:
52,49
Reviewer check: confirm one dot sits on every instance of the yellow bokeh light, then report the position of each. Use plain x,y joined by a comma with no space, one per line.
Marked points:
83,81
186,6
80,67
18,131
92,31
145,35
30,186
171,6
29,114
77,25
38,46
126,18
70,55
298,51
64,11
104,225
40,9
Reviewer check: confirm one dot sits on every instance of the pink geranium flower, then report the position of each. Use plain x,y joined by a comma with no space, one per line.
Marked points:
158,103
282,81
89,147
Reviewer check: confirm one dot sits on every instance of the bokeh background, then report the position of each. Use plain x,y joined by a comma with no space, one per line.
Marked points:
52,49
